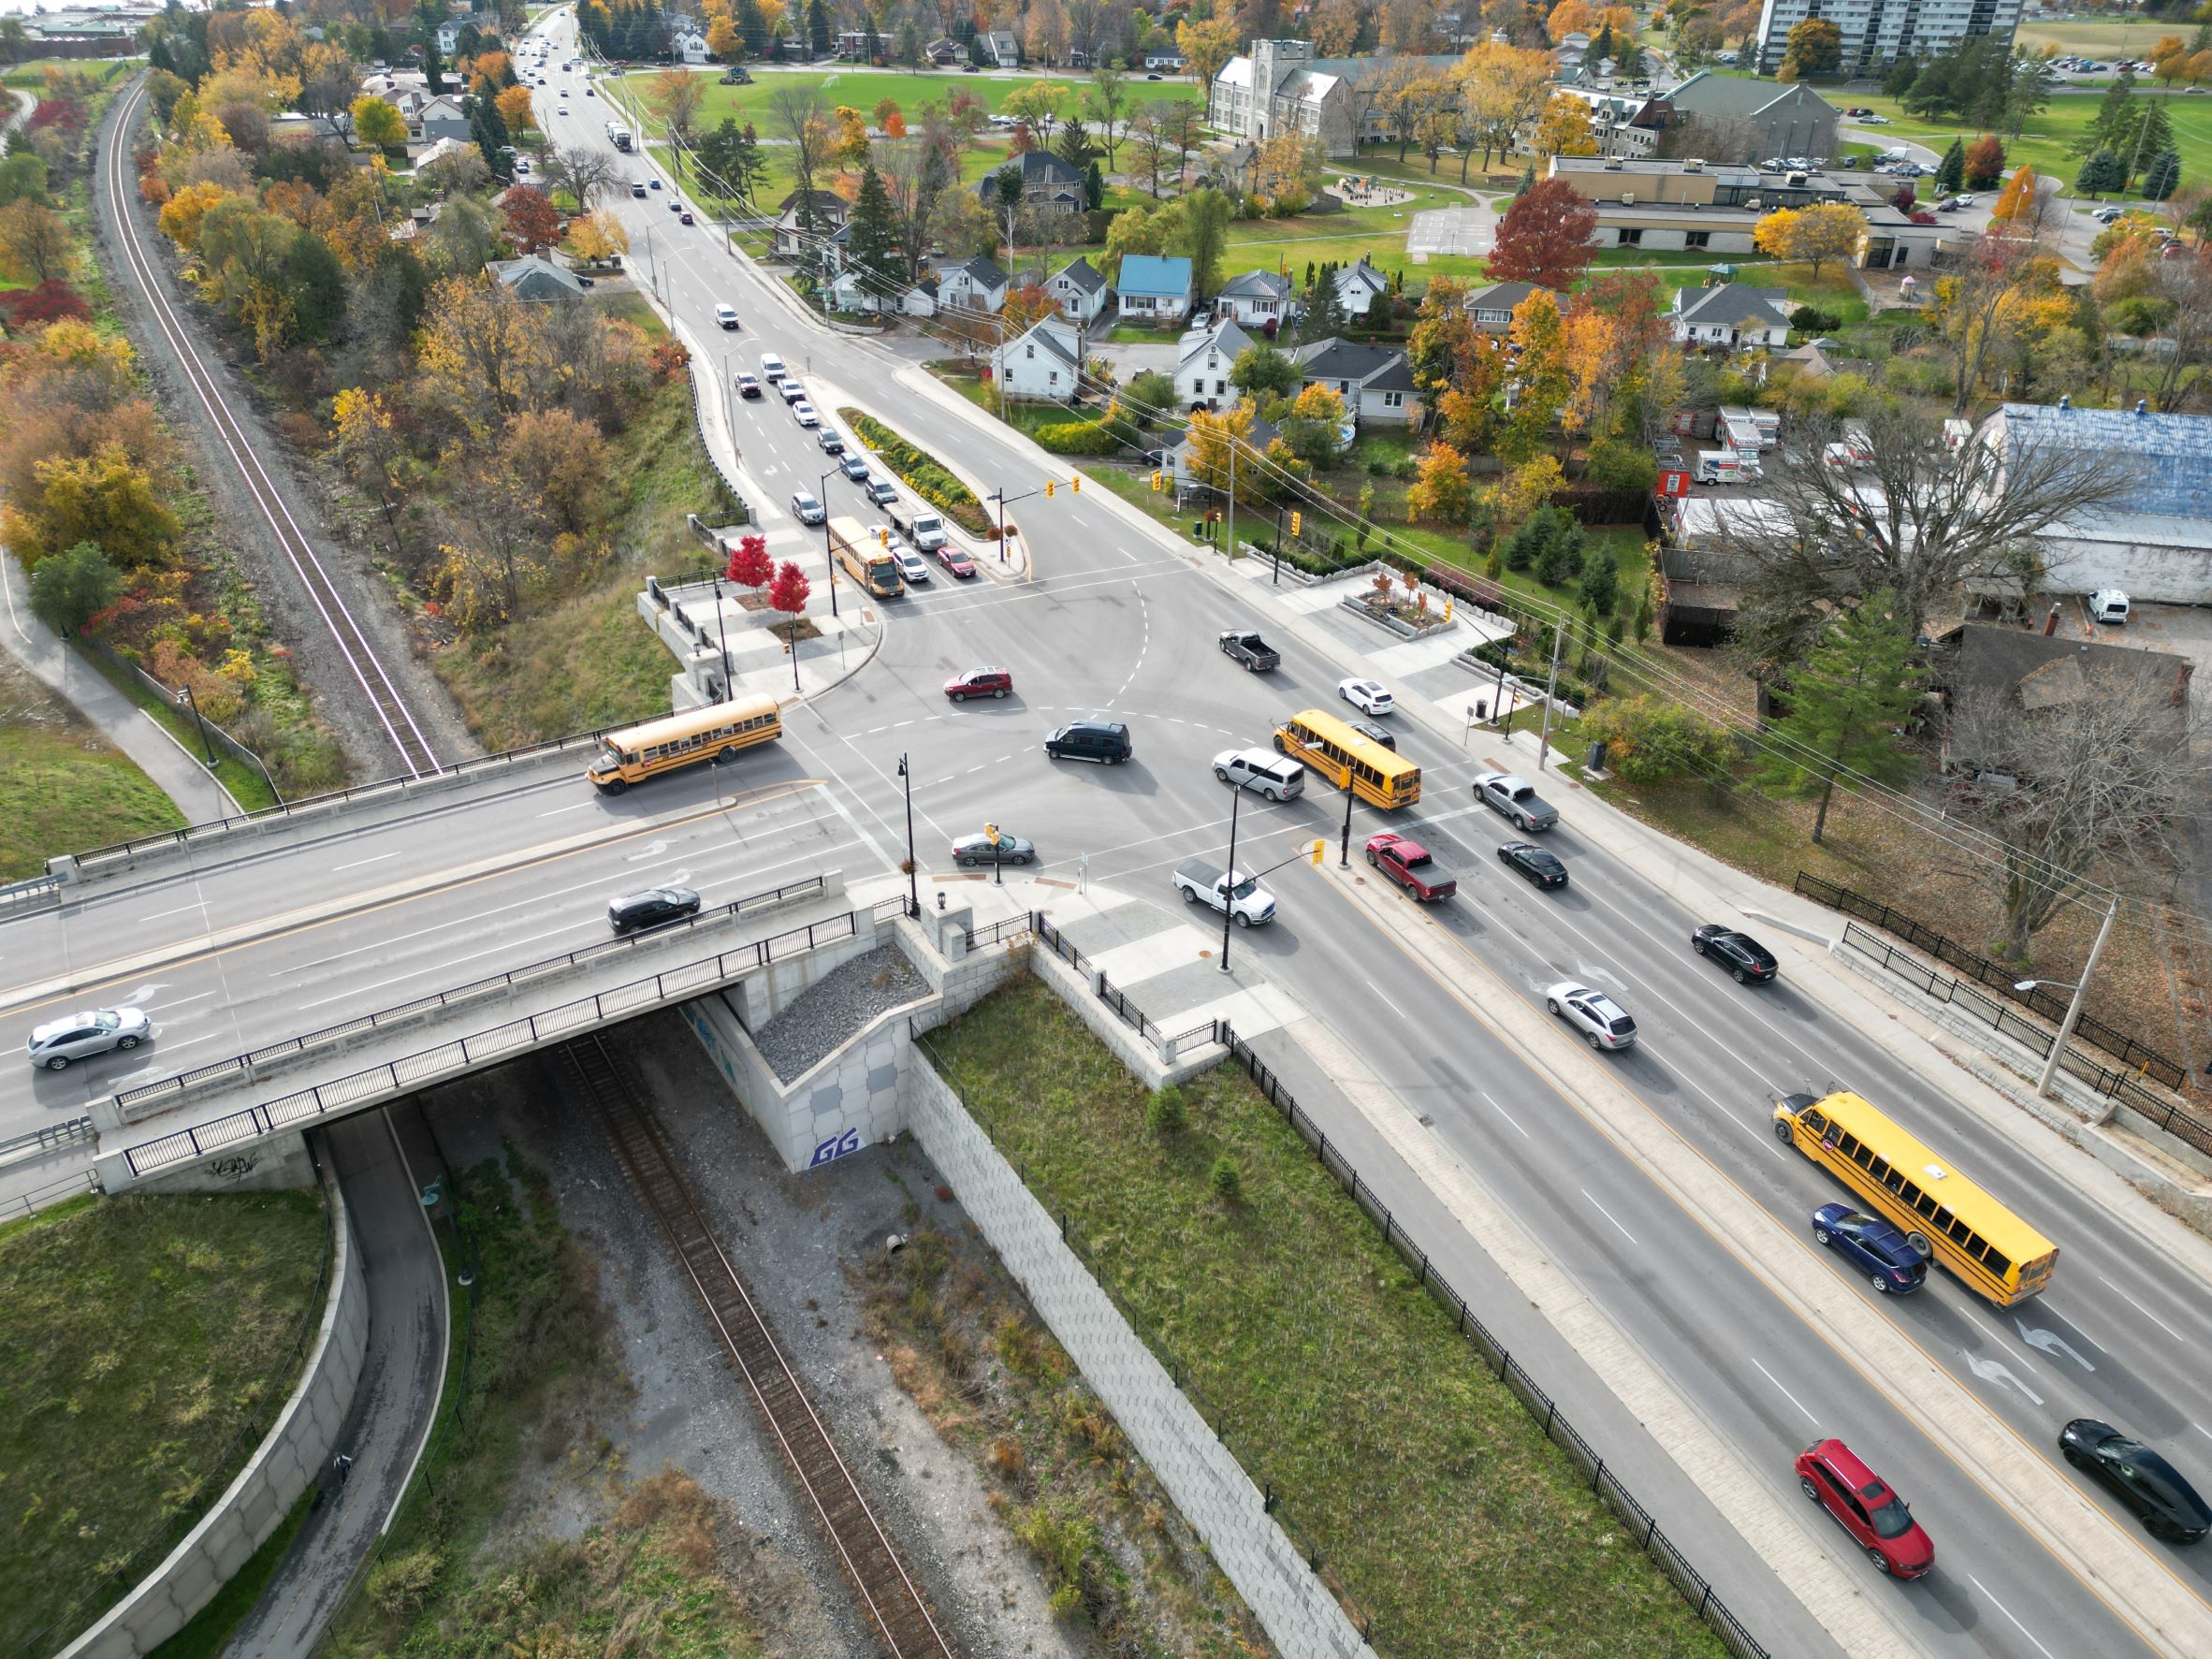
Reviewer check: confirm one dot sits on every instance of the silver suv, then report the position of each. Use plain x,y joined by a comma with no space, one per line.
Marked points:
81,1036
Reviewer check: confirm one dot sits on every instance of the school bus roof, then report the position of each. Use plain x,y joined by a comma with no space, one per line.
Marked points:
1974,1205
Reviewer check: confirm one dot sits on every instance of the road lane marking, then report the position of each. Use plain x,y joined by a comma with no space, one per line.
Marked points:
165,915
363,862
1622,1230
2145,1312
2001,1606
577,806
1785,1393
1503,1113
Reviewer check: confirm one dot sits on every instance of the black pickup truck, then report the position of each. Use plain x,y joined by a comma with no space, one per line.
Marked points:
1254,652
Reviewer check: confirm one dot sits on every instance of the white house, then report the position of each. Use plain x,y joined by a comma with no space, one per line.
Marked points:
1078,289
1046,362
442,117
1257,298
1358,284
999,47
1732,313
1154,288
1203,363
974,284
690,48
1492,308
1375,382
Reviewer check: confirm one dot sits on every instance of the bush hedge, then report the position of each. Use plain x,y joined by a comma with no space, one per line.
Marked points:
923,474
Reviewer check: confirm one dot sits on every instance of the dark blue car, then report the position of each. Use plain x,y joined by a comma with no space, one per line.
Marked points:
1872,1245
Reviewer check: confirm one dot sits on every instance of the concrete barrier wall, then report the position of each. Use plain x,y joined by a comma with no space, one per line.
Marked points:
293,1454
1205,1481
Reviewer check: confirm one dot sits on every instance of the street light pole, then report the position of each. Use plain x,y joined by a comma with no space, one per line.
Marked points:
722,627
1229,899
1344,853
2081,994
828,554
913,889
1550,690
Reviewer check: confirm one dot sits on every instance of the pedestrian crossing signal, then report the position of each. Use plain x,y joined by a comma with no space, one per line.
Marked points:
1317,851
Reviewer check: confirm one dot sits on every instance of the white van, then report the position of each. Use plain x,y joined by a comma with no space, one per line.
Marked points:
1720,466
2109,604
726,315
772,369
1261,771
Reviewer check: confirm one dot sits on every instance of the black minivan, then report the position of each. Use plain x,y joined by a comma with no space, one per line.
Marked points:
651,908
1104,741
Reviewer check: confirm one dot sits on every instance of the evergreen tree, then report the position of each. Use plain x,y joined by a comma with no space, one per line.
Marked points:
2114,122
2162,177
1074,146
2102,171
1324,317
316,283
1601,580
875,249
2149,135
1844,700
752,27
1899,81
1094,186
818,27
1951,172
1528,179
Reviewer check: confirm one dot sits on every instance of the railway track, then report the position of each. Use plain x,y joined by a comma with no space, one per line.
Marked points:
894,1604
392,715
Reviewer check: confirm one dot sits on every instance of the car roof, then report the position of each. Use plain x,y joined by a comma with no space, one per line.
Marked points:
1846,1465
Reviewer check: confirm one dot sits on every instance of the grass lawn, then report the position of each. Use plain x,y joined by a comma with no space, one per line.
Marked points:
31,76
149,1344
2082,38
70,790
2047,142
864,89
1432,1495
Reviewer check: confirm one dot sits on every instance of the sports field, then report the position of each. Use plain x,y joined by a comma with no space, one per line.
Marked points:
2047,144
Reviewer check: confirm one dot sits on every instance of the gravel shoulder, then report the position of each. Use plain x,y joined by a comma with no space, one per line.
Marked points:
322,667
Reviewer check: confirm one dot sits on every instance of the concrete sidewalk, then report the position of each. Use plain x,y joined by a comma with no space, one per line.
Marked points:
130,728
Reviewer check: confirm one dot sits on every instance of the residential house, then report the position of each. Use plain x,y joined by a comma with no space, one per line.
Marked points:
1078,289
1374,381
448,39
1177,460
1358,286
1731,315
970,285
1154,288
1046,362
1282,87
689,46
535,278
441,117
2038,674
828,211
1166,63
853,290
860,46
1258,299
2154,543
1492,308
921,299
999,49
1051,184
1202,364
1701,205
944,52
1755,120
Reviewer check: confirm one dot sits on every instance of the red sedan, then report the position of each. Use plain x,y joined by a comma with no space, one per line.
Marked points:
957,563
1409,864
1865,1506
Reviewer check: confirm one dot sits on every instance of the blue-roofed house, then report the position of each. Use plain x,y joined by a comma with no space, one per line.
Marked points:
1154,288
2155,542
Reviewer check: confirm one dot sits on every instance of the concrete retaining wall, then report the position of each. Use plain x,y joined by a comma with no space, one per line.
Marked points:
1199,1472
291,1456
1129,1047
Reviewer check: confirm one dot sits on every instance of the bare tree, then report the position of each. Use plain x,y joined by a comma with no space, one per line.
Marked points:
2186,284
583,172
1913,518
797,116
2089,778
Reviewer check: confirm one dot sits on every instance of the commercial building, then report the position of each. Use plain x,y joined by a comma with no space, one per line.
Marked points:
1876,31
1740,121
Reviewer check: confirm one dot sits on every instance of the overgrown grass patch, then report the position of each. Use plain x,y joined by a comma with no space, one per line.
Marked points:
70,790
146,1345
1431,1493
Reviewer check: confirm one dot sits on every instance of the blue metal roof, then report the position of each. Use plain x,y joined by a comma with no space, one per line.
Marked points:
1166,275
2170,456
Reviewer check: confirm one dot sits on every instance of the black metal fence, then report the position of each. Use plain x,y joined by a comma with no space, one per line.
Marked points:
1112,995
1693,1586
1012,927
2144,1061
2166,1114
213,734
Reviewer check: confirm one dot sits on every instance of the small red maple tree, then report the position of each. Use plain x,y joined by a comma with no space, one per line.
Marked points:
788,592
750,565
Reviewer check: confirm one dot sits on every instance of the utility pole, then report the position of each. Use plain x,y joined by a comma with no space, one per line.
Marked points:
1551,689
828,553
1344,852
1277,579
722,627
2081,994
1232,547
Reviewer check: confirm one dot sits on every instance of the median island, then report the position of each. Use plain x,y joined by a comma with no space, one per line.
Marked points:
922,473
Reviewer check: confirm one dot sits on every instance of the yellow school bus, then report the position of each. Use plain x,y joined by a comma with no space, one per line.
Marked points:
717,732
1349,761
1941,1213
865,559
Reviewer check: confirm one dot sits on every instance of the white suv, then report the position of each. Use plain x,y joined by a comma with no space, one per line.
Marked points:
1597,1016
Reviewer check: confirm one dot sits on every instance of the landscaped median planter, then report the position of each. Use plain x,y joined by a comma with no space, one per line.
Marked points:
923,474
1410,611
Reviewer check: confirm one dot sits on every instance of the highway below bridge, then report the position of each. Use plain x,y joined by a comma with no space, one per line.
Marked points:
242,939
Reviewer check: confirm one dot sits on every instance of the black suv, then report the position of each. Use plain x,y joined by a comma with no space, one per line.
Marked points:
651,908
1104,741
1742,955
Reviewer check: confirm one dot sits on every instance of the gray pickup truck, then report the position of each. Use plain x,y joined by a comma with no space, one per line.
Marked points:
1516,800
1247,903
1254,652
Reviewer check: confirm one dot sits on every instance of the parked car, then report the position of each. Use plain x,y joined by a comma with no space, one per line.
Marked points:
979,682
1516,800
1872,1246
58,1043
2168,1507
1603,1023
1865,1506
1526,859
1368,696
957,563
651,908
1409,864
1743,957
970,851
803,412
808,510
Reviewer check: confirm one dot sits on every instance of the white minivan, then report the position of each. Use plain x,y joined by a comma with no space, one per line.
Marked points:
2109,604
772,369
1262,772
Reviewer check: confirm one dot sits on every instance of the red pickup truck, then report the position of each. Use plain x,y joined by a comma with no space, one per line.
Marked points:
1409,864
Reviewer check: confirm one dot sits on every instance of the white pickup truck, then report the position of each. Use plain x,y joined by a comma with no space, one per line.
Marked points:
1247,903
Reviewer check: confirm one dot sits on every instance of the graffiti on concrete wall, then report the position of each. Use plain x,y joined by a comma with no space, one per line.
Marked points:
836,1146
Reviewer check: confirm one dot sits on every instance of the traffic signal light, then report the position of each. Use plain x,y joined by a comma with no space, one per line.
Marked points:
884,534
1049,487
1076,484
1294,523
1159,481
1317,852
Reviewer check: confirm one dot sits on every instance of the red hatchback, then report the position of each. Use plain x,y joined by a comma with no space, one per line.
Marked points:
1862,1502
979,682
